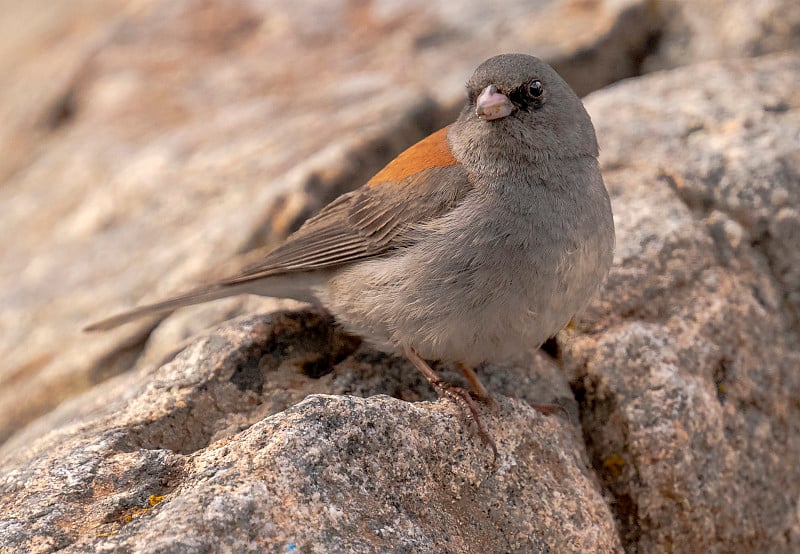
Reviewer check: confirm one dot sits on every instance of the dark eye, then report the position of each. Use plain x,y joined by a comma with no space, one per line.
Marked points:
535,89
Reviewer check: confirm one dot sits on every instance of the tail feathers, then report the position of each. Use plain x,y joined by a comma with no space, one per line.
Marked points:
196,296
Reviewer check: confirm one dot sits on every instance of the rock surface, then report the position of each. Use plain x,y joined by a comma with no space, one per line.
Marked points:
278,433
186,132
694,31
213,451
688,367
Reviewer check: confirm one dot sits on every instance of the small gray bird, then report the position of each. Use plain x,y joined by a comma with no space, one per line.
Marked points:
475,245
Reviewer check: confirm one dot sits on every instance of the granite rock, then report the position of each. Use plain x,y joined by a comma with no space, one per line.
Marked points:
217,450
160,145
687,367
278,432
691,32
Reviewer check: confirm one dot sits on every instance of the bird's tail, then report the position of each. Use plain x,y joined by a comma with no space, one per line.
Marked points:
300,286
196,296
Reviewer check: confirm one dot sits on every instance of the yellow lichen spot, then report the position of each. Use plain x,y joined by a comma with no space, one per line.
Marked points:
614,464
135,512
154,499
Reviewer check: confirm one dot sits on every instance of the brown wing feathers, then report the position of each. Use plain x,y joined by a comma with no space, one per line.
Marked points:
372,220
422,183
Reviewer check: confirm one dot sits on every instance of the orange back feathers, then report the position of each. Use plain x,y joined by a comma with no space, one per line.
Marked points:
430,152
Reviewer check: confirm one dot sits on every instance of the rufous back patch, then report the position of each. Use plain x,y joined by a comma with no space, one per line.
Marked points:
432,151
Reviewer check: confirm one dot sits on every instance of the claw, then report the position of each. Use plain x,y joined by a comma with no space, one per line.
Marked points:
459,395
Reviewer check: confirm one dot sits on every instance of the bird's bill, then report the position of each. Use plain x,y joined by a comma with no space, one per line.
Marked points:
492,104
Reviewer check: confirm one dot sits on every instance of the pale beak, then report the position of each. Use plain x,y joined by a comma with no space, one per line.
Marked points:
493,105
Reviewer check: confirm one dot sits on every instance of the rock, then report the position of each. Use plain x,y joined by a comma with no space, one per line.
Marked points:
183,133
39,60
686,368
726,143
718,29
275,431
682,375
215,450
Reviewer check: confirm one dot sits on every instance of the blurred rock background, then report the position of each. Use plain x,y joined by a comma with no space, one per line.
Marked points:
147,143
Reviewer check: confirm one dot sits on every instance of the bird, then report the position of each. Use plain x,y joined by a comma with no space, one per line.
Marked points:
475,245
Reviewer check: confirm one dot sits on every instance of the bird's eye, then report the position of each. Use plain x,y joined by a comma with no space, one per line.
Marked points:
535,89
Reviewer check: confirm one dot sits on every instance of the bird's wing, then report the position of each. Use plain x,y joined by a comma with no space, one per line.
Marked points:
421,184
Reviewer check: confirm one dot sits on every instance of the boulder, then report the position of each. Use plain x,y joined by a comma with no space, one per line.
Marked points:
276,431
218,450
160,145
692,32
686,368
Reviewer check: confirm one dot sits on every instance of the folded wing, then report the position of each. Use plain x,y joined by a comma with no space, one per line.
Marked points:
423,183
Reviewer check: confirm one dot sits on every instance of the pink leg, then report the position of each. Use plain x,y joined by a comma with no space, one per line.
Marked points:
481,392
458,394
477,387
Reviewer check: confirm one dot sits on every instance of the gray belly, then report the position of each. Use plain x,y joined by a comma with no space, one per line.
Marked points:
477,290
496,305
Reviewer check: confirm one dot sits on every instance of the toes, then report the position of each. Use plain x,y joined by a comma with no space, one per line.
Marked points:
464,399
550,409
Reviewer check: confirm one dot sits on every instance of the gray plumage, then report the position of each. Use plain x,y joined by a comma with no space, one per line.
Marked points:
477,258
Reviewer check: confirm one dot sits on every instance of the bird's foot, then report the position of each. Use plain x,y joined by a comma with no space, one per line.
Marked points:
550,409
464,398
459,395
478,390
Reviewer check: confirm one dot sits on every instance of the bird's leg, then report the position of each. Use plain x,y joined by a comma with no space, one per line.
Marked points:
477,387
459,395
480,391
549,409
